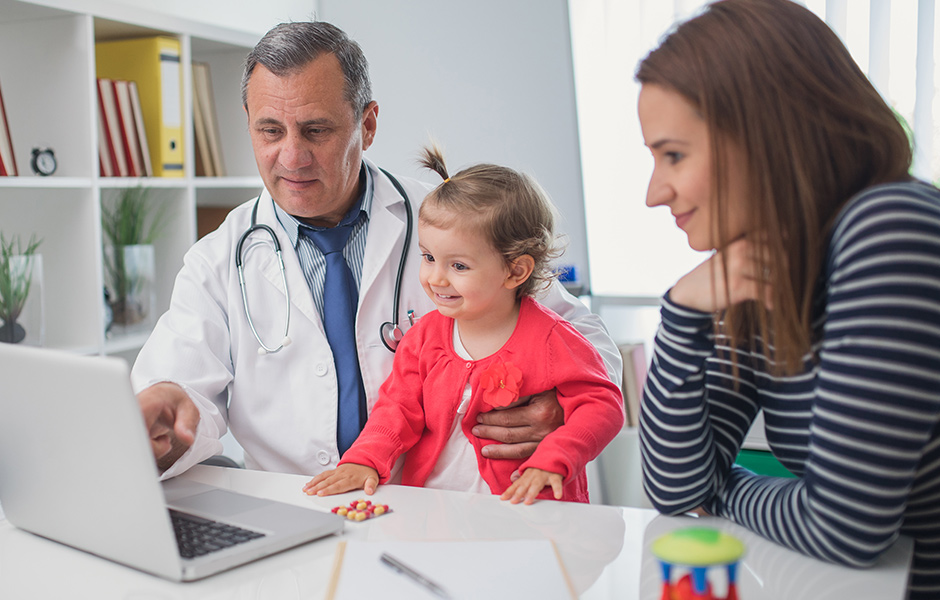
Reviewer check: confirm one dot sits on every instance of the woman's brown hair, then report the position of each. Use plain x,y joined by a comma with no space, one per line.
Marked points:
509,208
771,79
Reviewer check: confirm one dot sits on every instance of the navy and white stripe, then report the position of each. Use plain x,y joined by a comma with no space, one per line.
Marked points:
312,260
859,427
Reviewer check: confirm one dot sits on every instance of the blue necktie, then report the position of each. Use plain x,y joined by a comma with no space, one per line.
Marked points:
340,298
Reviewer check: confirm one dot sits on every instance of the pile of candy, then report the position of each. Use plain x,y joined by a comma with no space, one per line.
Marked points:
360,510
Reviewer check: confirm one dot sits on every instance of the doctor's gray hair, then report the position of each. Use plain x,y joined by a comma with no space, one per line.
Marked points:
289,47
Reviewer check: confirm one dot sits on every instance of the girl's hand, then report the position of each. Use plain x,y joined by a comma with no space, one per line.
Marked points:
530,484
343,478
703,288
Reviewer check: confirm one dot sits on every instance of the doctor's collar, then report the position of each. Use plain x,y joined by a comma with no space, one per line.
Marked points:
361,209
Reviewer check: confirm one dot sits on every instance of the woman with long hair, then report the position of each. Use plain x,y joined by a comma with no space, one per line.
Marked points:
820,304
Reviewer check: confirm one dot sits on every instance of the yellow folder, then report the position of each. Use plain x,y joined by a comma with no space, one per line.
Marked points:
154,63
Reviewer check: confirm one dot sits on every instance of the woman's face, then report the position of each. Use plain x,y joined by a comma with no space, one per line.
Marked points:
678,138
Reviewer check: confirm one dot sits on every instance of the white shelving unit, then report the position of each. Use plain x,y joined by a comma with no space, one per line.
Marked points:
47,78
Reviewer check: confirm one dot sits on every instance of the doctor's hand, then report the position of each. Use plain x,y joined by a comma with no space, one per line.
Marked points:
171,419
520,429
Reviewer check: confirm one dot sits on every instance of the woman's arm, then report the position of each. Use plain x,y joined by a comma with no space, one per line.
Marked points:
877,400
688,442
697,407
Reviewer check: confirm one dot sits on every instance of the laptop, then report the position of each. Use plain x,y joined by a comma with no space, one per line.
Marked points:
76,467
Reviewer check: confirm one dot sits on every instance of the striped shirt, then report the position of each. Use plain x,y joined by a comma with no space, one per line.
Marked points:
312,260
859,427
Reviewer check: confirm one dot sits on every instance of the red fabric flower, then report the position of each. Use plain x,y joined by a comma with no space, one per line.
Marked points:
501,383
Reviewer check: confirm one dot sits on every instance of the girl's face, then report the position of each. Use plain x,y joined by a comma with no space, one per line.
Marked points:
678,138
463,274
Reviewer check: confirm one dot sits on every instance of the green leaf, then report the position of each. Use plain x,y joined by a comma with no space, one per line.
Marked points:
15,283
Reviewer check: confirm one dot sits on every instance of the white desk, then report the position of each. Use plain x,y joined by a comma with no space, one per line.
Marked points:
605,550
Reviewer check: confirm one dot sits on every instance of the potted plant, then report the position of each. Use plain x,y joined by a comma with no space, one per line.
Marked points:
131,223
16,278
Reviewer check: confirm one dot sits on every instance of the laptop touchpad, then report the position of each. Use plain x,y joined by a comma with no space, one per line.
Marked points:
220,503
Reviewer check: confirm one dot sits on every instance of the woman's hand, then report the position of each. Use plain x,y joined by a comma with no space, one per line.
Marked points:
704,287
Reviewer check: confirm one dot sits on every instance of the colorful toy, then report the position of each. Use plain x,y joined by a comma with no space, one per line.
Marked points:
698,549
360,510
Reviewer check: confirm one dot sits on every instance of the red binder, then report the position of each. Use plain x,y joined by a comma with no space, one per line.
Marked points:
7,159
107,160
113,126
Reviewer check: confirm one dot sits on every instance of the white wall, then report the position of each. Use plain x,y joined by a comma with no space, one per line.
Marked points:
250,16
490,80
246,15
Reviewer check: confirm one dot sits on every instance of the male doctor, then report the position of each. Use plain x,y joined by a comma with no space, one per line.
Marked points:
307,95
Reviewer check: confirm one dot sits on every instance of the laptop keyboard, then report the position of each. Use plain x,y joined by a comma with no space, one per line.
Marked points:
197,536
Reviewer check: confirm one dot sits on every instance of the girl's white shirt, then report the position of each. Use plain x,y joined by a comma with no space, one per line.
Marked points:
457,467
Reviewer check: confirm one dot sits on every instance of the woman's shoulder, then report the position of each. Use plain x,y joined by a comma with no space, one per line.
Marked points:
913,195
912,206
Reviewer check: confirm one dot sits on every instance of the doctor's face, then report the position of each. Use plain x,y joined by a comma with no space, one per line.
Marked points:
308,140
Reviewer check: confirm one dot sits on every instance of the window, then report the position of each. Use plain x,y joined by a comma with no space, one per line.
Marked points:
637,253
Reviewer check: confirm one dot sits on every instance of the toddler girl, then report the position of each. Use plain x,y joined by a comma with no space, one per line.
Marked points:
486,238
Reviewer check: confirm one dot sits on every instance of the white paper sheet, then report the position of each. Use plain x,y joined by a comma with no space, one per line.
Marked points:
511,569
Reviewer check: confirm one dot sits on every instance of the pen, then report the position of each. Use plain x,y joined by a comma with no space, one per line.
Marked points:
410,573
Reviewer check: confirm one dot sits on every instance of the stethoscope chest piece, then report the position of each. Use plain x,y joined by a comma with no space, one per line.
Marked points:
391,335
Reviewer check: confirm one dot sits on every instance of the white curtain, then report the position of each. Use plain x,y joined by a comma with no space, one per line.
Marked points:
636,252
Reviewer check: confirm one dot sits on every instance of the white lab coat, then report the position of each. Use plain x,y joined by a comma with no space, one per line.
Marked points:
282,407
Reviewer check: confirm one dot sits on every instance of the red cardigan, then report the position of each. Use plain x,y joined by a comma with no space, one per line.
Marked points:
418,402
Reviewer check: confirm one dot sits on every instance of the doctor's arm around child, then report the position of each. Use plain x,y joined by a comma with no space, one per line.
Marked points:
486,237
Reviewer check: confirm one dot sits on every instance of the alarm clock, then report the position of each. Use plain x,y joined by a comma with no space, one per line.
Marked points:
43,161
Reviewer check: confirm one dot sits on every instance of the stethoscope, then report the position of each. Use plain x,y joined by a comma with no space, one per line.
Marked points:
390,331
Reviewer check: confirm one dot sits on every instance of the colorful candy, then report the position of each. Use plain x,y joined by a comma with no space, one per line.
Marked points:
360,510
